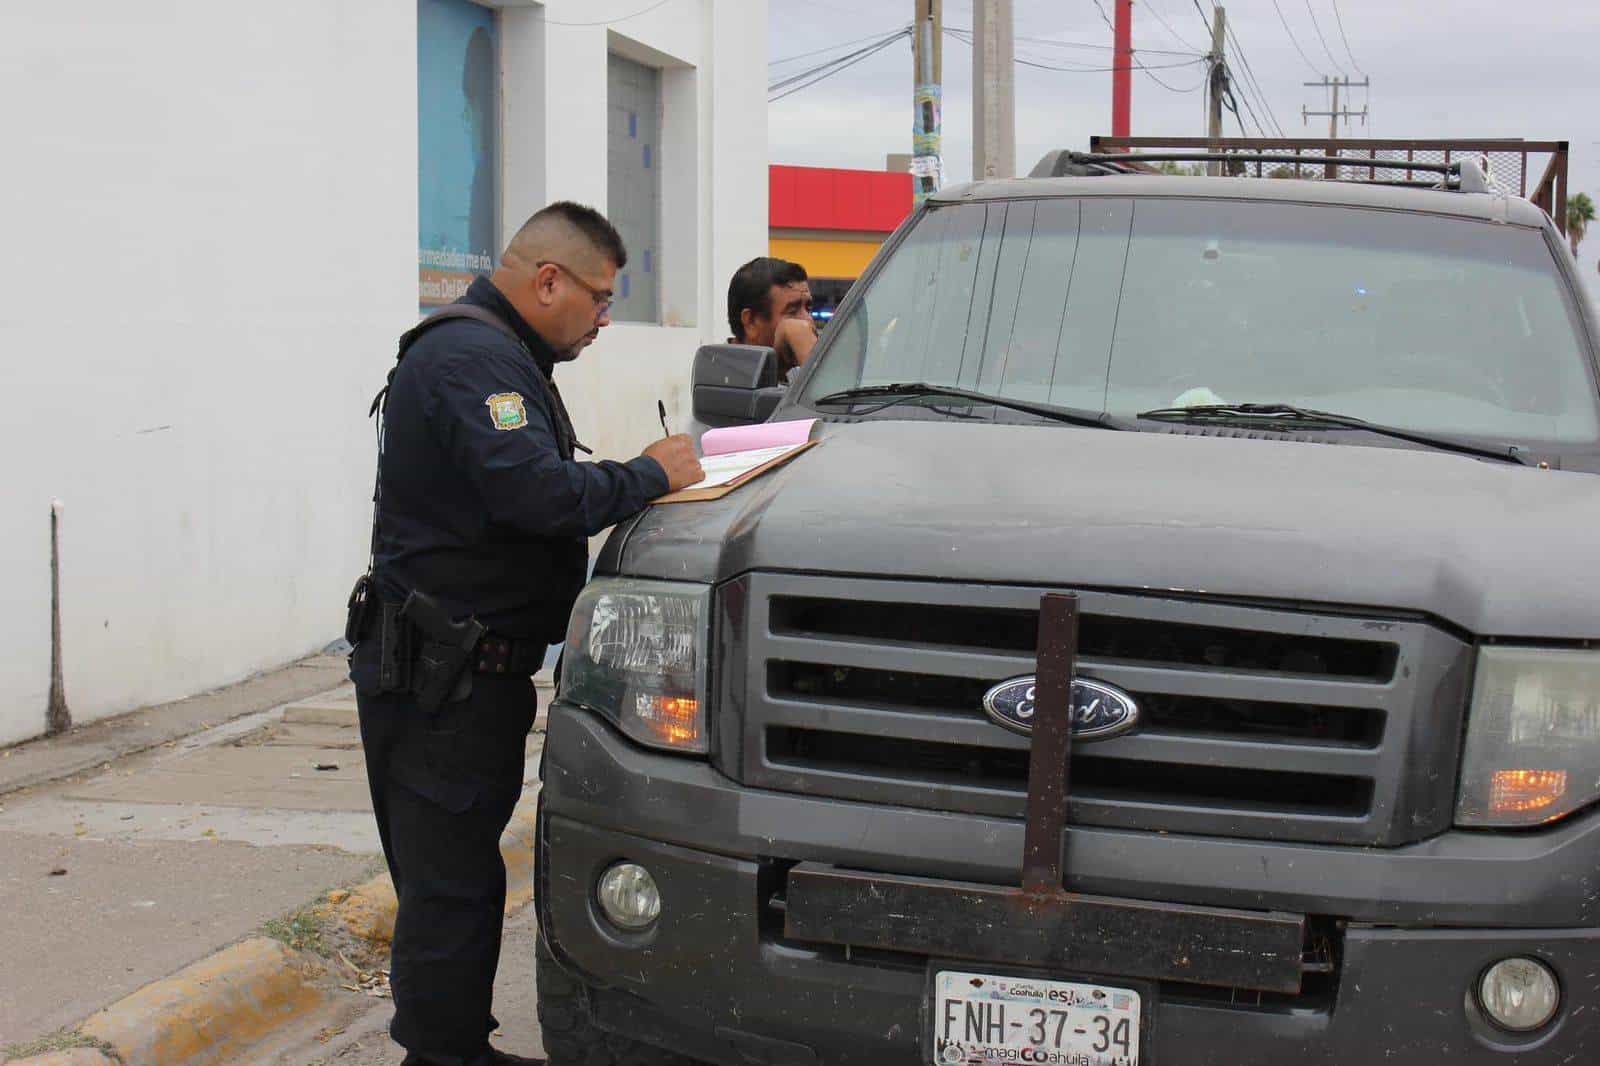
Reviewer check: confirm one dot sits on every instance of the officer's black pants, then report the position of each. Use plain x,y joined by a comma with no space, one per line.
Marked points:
443,790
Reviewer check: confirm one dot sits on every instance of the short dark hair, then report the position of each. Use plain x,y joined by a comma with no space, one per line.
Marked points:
752,284
594,226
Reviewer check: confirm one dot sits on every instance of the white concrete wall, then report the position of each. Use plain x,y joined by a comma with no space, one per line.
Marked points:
713,55
211,242
210,250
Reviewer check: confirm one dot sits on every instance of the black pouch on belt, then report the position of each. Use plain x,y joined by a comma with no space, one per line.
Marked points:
358,611
443,664
394,650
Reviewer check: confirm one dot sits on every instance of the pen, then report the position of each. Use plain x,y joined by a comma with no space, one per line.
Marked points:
661,408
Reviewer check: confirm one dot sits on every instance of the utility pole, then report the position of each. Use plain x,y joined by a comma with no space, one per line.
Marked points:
927,77
1122,71
1217,84
994,113
1335,113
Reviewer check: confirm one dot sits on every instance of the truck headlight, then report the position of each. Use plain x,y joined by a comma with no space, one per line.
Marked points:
636,653
1533,737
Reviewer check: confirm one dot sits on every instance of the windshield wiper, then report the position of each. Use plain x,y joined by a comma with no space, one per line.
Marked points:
911,389
1308,416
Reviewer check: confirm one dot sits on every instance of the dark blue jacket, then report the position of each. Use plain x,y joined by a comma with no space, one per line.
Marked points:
482,505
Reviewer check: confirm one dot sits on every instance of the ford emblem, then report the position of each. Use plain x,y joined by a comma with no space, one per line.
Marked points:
1099,710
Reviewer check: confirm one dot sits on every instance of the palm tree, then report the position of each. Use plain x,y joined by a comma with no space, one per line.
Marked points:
1580,212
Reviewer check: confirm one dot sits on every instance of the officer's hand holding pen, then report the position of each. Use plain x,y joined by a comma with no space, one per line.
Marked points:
676,456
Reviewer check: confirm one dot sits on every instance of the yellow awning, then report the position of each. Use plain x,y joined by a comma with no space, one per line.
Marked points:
825,258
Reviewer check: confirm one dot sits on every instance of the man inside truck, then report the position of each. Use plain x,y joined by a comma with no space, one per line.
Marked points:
769,303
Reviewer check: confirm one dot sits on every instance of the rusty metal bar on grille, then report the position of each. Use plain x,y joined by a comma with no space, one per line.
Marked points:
1041,923
1043,861
1068,932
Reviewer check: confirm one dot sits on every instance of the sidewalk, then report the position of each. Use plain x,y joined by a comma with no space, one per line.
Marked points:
200,824
38,761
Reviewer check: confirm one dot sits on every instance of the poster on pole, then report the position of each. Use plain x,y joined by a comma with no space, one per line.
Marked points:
458,132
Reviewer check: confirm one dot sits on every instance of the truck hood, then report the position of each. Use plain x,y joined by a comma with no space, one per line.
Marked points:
1497,549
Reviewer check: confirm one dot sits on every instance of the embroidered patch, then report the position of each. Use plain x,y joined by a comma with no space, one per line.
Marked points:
506,410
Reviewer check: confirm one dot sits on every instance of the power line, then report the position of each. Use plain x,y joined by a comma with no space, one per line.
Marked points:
830,48
1162,19
824,66
1340,18
611,22
1229,100
1251,81
1318,27
1104,70
1292,40
1057,43
965,36
1104,17
1109,48
828,70
1173,88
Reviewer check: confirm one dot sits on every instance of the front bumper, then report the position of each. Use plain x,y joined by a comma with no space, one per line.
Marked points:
717,979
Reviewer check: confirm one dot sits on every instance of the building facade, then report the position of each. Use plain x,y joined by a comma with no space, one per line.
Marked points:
223,216
832,222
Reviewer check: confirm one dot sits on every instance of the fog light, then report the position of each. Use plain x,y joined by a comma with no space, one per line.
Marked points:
1519,994
628,896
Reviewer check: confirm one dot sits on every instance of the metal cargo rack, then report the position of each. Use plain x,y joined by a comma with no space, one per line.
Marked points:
1535,170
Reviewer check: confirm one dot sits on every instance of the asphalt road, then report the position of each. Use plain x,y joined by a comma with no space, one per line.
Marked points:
365,1040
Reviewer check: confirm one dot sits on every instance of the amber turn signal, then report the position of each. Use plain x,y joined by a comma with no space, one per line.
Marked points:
674,720
1525,791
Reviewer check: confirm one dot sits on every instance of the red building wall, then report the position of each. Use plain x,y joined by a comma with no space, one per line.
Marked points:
849,201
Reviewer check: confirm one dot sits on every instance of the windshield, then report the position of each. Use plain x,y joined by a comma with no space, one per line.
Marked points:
1428,323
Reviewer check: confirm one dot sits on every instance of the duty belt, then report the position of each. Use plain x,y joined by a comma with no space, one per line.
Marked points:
509,656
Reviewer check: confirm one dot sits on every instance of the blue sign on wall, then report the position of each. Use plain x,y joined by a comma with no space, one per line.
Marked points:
458,151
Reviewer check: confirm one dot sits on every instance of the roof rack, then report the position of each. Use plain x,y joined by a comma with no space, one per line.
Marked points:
1536,170
1463,175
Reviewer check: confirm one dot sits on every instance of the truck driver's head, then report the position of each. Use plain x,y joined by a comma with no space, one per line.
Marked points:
762,293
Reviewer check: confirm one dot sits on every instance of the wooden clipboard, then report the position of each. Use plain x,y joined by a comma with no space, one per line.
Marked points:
716,492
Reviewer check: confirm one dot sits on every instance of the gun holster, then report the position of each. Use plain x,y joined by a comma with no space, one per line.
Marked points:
440,661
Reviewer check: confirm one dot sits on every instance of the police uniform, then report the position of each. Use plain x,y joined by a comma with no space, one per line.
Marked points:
481,507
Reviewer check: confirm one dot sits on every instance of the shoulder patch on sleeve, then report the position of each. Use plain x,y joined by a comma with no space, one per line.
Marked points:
506,410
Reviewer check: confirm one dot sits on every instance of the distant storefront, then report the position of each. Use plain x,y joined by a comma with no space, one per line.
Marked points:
832,222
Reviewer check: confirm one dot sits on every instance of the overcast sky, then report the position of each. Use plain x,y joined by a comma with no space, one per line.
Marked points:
1440,68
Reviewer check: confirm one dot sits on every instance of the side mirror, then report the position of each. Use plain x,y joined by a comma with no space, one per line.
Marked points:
735,384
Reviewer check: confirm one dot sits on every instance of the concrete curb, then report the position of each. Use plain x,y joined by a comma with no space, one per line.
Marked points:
78,1056
218,1008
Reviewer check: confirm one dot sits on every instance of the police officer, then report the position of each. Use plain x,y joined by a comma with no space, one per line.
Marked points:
482,519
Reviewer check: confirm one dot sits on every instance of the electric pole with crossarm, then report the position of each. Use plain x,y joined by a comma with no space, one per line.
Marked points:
1335,113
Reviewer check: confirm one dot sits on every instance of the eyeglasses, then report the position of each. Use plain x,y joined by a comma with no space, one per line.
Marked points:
603,298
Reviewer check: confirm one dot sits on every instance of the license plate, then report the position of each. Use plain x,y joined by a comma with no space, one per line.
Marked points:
981,1019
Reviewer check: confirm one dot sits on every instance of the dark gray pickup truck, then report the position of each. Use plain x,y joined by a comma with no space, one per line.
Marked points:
1317,460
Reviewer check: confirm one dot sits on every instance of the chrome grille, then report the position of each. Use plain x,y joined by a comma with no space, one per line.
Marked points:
1258,722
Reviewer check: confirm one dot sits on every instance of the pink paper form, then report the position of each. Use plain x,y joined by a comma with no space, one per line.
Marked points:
747,438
